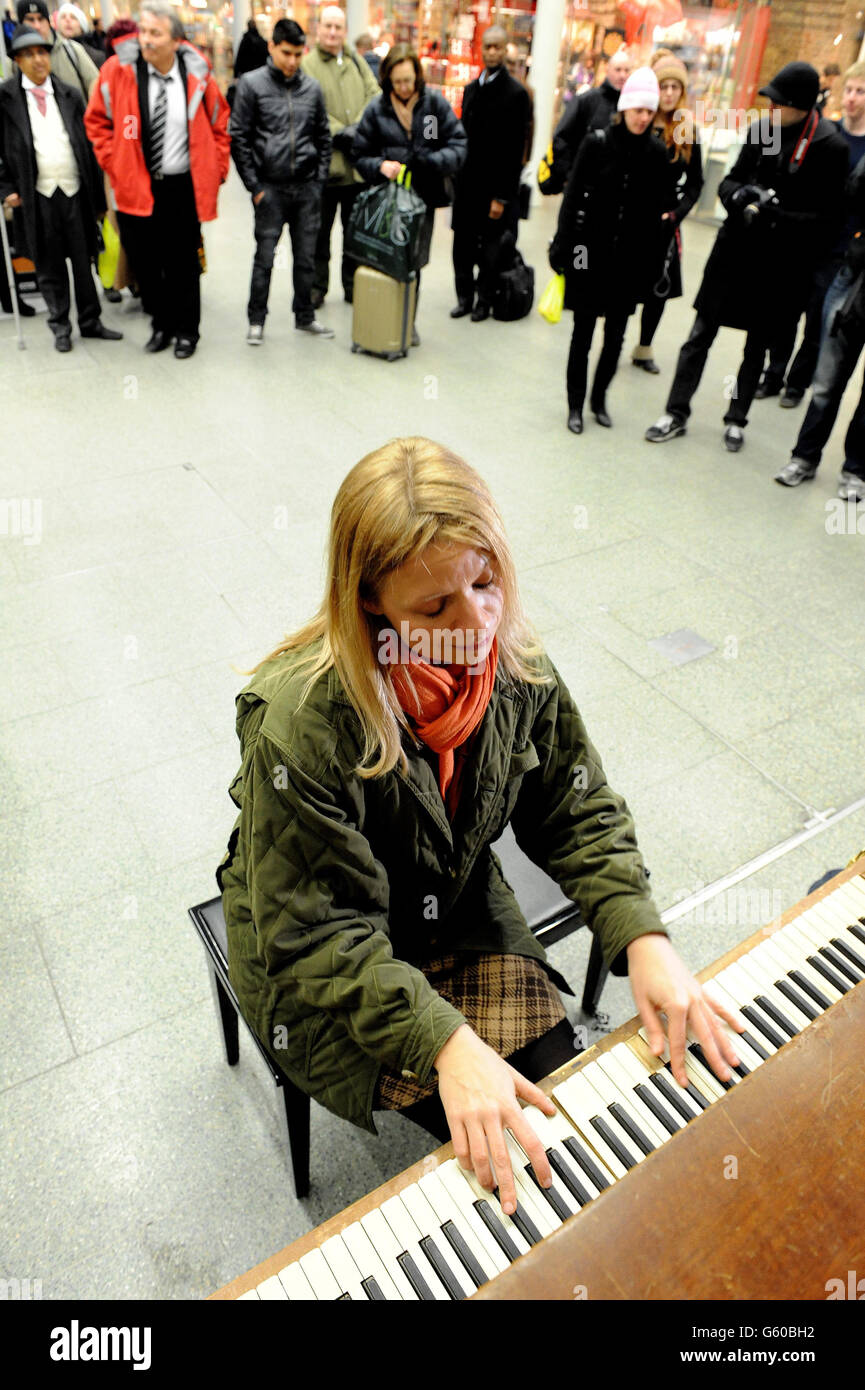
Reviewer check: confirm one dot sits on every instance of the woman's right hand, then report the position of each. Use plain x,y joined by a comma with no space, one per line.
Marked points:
479,1092
390,168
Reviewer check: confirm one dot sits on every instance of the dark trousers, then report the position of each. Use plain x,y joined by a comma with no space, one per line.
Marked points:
801,370
61,235
653,310
300,206
836,363
163,254
342,197
578,357
476,243
535,1061
692,360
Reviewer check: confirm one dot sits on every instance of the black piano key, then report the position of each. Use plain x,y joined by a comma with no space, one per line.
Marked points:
622,1153
849,953
776,1015
660,1112
696,1051
586,1162
818,963
857,930
342,1298
441,1267
523,1222
631,1128
754,1045
372,1290
415,1278
455,1240
696,1096
811,990
754,1016
840,964
566,1175
798,999
663,1084
496,1230
550,1194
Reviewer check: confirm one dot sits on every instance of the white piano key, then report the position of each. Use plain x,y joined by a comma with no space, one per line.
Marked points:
620,1076
703,1082
581,1104
446,1210
250,1293
565,1197
553,1131
744,1051
272,1291
743,990
528,1196
804,946
343,1267
366,1257
761,972
812,949
480,1194
773,963
794,956
408,1239
318,1272
453,1180
419,1209
295,1284
385,1244
609,1095
852,896
640,1047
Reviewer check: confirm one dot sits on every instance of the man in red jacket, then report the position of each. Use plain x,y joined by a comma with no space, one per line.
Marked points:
159,127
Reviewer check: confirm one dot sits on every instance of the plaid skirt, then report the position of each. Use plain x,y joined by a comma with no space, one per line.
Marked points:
509,1001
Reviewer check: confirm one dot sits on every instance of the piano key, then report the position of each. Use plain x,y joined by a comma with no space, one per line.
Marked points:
250,1294
805,1002
796,942
319,1274
776,1015
841,944
761,1028
554,1131
699,1055
748,1049
482,1195
758,1018
452,1220
522,1220
366,1258
450,1176
841,964
435,1245
801,973
373,1291
496,1229
563,1206
530,1192
619,1107
745,986
636,1075
830,975
385,1245
454,1236
661,1077
785,987
762,970
295,1284
616,1070
272,1290
409,1256
576,1183
343,1267
579,1103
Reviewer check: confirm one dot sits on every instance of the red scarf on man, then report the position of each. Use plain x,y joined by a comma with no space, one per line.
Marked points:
453,703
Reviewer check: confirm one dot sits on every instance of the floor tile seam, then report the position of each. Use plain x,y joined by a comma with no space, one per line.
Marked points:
35,925
112,777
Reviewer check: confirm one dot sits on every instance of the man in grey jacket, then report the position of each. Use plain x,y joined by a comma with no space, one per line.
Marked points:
281,145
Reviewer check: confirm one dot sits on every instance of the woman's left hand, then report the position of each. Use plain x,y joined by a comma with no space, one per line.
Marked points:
390,168
662,984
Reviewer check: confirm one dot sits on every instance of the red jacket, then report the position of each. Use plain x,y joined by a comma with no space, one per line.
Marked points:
115,128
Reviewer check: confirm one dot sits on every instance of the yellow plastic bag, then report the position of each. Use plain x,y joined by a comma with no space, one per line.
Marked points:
553,299
107,263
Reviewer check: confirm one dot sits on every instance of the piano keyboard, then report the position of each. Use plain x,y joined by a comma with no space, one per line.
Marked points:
444,1236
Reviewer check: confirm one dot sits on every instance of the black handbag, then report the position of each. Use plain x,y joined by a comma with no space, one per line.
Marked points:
515,286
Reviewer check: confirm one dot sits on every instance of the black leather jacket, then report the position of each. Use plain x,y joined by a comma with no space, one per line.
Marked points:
279,129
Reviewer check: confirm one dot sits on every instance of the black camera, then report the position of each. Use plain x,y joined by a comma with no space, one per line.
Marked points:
763,198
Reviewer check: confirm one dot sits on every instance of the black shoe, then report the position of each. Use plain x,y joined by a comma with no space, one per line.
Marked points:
575,422
316,298
602,417
648,364
113,296
462,308
790,397
63,342
158,341
98,330
25,310
185,347
667,427
480,312
769,386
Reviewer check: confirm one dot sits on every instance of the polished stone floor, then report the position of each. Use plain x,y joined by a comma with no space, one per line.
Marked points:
162,526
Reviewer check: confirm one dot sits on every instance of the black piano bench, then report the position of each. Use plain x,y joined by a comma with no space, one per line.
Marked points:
550,915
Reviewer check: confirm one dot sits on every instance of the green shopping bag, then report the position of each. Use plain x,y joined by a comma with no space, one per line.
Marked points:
552,300
386,226
107,263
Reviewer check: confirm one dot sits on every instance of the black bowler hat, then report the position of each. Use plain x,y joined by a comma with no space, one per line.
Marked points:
25,37
797,84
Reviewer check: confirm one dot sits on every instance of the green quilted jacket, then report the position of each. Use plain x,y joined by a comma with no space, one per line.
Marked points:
336,889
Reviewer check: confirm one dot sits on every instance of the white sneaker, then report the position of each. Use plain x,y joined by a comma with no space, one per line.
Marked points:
851,488
795,472
734,438
315,327
255,334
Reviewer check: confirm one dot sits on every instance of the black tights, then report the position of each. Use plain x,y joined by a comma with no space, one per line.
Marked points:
651,317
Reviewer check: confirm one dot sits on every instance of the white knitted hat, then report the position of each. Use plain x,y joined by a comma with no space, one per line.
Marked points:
641,89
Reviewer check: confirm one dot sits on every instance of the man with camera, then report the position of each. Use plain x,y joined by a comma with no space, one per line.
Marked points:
784,200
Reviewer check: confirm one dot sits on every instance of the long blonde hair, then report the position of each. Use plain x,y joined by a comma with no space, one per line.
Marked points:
389,508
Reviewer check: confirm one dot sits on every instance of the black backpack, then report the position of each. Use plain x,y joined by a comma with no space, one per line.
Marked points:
515,287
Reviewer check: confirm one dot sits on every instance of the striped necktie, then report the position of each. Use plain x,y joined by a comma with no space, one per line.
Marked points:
157,125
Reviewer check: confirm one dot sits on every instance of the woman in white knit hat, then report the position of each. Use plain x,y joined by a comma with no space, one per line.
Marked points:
72,23
610,237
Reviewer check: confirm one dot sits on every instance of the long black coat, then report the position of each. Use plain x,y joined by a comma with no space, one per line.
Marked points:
18,171
763,273
610,233
496,117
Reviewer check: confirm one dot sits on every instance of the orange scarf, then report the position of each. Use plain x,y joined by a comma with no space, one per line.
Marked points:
452,705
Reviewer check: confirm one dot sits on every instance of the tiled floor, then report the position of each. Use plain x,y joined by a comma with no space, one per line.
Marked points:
183,510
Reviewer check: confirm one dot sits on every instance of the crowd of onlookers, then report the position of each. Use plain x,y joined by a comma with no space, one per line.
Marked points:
126,135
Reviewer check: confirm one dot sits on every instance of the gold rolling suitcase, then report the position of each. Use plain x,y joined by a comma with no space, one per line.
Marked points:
383,313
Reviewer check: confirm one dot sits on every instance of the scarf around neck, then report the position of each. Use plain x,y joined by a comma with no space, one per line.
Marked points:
452,704
404,109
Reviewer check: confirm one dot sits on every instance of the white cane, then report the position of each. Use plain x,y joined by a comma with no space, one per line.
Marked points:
10,276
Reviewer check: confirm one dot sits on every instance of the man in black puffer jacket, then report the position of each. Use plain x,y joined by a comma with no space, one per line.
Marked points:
591,110
281,145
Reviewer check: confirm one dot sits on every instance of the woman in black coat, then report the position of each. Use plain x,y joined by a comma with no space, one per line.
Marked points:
609,237
409,125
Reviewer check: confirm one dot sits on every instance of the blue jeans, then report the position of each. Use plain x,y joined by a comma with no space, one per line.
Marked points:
836,363
300,206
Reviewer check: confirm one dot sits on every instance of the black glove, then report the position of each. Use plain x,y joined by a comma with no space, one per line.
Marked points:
748,193
344,139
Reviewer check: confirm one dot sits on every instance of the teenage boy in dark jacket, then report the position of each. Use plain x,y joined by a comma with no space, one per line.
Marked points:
281,145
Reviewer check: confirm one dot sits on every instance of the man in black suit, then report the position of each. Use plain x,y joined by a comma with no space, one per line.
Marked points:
496,114
49,174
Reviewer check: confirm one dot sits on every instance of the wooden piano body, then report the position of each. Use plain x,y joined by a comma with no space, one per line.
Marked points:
760,1197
